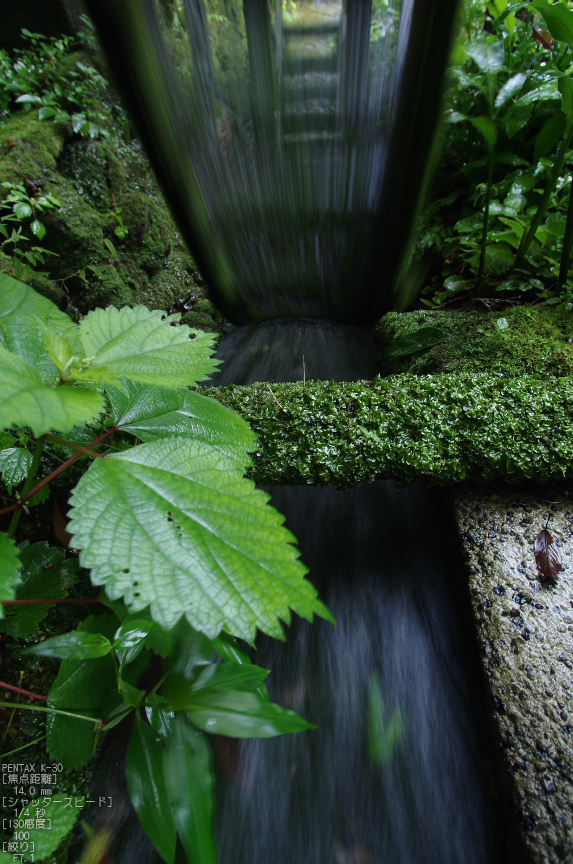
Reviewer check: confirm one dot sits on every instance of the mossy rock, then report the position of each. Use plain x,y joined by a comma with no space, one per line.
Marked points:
151,230
517,341
74,232
29,148
86,165
446,429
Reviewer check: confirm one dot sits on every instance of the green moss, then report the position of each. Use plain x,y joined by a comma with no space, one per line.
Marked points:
518,341
74,232
86,165
29,148
445,428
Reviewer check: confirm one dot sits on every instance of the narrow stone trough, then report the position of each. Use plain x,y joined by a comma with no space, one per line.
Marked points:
525,633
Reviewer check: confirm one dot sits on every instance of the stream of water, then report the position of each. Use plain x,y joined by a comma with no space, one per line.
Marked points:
393,773
293,163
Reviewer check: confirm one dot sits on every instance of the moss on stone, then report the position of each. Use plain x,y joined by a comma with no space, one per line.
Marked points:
29,148
518,341
446,428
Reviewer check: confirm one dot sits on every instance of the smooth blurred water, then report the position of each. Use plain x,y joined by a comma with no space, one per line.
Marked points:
385,563
292,141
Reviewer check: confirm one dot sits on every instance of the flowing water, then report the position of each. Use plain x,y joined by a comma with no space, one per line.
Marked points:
392,775
292,147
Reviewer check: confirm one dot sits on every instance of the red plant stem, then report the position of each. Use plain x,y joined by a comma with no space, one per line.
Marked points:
10,509
23,692
48,600
85,450
67,464
82,451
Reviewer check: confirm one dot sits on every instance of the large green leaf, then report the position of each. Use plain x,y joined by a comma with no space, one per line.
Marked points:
142,346
488,55
45,573
146,783
9,566
238,714
189,781
26,401
173,525
154,412
74,646
21,308
85,687
559,19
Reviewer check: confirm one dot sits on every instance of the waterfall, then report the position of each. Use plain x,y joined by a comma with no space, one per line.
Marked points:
293,157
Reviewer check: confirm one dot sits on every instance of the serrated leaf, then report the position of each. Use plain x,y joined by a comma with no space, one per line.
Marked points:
85,687
26,401
43,841
6,440
146,783
189,782
142,346
15,463
20,309
9,566
238,714
173,525
59,348
22,210
45,573
151,413
72,646
38,228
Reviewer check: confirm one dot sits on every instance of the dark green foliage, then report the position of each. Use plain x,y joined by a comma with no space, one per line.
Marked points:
497,217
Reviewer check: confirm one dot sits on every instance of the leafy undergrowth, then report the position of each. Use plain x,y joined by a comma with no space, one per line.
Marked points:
499,222
187,554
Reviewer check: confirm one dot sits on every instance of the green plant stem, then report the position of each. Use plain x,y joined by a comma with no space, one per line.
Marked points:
21,691
527,238
24,746
567,241
486,213
95,720
27,486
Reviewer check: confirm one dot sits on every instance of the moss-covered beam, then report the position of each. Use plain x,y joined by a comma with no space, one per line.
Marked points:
446,428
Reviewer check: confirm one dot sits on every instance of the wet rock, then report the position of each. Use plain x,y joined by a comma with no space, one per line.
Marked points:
526,642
